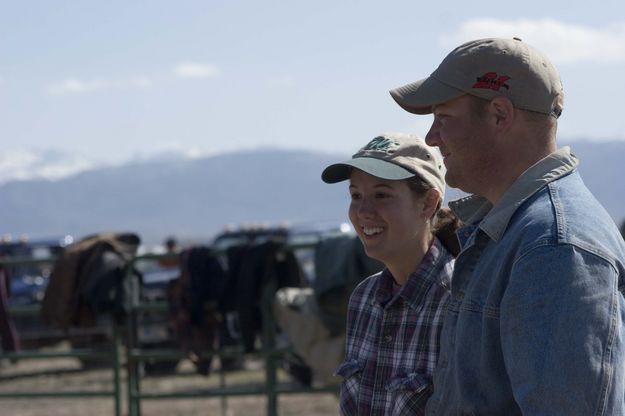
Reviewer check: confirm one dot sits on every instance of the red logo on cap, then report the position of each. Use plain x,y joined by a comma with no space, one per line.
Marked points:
491,81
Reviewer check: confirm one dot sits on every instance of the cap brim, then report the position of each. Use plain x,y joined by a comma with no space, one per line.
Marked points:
376,167
419,97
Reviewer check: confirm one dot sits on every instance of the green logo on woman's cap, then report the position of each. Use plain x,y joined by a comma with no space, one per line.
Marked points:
382,143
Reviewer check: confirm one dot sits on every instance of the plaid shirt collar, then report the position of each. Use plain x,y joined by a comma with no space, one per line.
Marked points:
416,287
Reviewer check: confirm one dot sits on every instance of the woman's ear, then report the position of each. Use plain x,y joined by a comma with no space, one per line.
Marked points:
431,202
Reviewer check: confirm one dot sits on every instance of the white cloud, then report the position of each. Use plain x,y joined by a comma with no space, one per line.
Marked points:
562,42
23,164
195,70
141,82
75,86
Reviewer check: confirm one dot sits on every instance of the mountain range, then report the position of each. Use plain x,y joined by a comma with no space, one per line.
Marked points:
196,198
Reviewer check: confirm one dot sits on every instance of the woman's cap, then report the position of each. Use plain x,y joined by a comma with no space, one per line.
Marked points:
393,156
487,68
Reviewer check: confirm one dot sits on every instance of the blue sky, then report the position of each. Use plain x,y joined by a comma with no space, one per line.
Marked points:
84,83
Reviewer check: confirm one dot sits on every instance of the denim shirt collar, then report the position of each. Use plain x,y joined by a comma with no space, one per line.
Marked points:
493,220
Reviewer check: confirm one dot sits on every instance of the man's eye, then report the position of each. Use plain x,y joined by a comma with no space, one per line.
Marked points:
381,195
355,196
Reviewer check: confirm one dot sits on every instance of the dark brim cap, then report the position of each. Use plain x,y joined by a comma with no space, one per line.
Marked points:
393,156
379,168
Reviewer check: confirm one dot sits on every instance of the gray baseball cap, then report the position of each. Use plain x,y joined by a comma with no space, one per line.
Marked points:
487,68
393,156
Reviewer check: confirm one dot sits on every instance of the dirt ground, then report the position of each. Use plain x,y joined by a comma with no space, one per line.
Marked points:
67,374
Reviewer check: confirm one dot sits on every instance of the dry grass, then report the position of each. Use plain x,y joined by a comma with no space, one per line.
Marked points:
66,374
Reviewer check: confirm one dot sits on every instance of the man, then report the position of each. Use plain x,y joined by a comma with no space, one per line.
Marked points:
535,324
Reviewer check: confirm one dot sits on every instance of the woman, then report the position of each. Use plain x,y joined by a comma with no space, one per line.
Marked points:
395,317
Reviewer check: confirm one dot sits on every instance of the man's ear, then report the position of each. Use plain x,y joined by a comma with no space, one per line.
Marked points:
501,111
431,202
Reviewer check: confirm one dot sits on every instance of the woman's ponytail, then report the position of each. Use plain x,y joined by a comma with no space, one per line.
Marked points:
445,225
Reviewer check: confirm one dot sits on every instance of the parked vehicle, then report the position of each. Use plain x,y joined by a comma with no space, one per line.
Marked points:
28,282
301,236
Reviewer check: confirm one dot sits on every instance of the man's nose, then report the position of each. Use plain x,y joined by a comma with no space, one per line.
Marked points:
432,138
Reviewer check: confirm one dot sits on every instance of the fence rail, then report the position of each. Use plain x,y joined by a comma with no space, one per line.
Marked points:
125,351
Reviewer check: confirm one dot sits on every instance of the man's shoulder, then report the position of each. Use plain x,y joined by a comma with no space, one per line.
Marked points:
566,212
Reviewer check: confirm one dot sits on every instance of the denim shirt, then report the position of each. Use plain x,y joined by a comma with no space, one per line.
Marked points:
535,320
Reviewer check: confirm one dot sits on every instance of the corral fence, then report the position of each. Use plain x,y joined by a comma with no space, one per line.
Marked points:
126,354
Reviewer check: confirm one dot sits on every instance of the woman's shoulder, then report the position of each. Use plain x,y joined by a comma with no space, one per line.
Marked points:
370,282
368,286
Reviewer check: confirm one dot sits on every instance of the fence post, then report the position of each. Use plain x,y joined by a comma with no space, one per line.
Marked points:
117,345
269,345
132,364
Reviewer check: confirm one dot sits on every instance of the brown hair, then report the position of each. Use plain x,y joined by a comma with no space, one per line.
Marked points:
445,227
445,222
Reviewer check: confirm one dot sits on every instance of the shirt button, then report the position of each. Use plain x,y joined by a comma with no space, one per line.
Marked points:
388,338
459,295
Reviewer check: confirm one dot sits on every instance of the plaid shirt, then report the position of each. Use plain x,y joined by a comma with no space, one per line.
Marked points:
392,340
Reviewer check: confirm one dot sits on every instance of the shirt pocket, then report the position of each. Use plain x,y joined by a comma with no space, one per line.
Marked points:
351,372
410,393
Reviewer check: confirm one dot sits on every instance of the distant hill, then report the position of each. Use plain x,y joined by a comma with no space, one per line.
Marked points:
186,198
196,198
